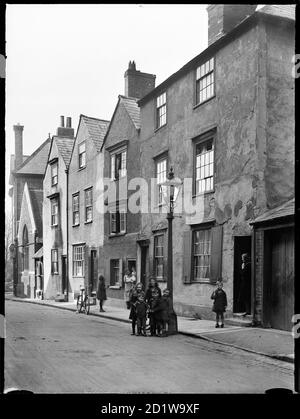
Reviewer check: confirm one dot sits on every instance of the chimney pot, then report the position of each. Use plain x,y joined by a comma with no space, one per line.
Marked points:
62,121
18,144
69,122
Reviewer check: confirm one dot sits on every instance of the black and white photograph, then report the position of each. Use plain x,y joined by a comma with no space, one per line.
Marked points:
150,200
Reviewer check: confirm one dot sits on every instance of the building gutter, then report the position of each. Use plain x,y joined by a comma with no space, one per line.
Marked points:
67,222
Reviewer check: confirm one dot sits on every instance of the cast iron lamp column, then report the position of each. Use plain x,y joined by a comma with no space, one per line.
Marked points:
171,183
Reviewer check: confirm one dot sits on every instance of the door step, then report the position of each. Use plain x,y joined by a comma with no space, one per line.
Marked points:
237,320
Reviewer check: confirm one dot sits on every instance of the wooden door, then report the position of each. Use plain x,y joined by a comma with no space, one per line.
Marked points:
94,271
282,280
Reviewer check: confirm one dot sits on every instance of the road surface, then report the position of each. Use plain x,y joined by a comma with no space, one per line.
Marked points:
48,350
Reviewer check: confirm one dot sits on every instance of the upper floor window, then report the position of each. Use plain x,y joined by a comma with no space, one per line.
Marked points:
54,261
118,222
205,81
161,176
81,155
118,164
54,211
161,110
89,205
54,174
75,209
204,166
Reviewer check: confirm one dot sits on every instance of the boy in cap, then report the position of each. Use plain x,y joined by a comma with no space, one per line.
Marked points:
141,314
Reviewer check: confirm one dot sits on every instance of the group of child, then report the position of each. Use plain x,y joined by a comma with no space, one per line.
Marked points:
152,305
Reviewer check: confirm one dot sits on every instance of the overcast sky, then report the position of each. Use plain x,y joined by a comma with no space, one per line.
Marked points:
70,59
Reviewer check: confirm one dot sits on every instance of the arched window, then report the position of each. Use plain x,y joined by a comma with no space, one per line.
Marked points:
25,249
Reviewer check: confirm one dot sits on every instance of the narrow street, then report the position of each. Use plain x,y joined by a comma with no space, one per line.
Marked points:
49,350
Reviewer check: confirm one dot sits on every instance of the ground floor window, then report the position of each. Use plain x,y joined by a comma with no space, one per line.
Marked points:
114,272
201,249
78,260
54,261
159,256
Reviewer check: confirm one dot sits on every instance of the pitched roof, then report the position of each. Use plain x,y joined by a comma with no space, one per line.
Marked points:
65,147
133,109
12,166
36,163
36,197
277,11
284,210
97,129
281,10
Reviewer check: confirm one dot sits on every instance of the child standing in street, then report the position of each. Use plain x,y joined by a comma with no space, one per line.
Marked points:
141,314
134,294
220,303
161,313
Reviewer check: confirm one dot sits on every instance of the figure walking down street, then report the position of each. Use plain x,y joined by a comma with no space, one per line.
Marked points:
129,283
134,294
245,285
161,313
101,292
152,294
220,303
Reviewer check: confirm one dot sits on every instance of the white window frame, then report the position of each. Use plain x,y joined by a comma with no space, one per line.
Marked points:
205,81
118,173
204,166
82,155
159,258
54,211
203,255
161,176
54,261
161,110
88,197
75,209
54,174
78,260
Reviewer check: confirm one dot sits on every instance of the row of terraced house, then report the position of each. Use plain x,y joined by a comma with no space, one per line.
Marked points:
225,123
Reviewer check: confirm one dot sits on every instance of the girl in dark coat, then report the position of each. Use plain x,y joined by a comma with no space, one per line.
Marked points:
101,292
220,303
153,293
133,298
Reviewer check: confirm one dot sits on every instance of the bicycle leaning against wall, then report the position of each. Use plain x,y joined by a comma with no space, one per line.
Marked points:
83,302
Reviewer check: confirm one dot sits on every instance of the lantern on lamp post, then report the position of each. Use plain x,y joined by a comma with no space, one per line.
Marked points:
172,185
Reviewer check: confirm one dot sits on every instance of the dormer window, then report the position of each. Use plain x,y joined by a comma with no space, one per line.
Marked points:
81,155
54,174
161,110
205,81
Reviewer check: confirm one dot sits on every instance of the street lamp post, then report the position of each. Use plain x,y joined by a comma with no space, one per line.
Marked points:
173,185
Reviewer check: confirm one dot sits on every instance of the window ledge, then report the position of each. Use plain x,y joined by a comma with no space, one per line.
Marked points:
205,101
81,168
115,287
88,222
162,126
75,225
54,225
116,235
200,281
203,193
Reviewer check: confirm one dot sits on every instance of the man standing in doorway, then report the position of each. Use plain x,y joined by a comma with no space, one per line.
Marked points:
245,285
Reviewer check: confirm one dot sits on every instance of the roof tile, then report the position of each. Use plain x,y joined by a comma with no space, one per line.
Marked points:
133,110
97,129
36,163
65,147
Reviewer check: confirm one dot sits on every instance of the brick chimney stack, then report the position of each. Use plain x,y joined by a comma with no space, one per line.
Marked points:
65,131
18,145
222,18
138,84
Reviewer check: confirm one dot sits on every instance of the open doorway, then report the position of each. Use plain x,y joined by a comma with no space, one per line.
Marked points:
242,244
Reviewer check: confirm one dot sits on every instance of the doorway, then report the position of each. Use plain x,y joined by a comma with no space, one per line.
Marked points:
242,244
144,252
63,274
279,278
94,271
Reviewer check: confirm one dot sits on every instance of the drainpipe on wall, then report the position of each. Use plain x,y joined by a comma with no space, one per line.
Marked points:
67,220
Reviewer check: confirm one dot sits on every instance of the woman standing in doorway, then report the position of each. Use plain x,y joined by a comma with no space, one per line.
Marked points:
101,292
